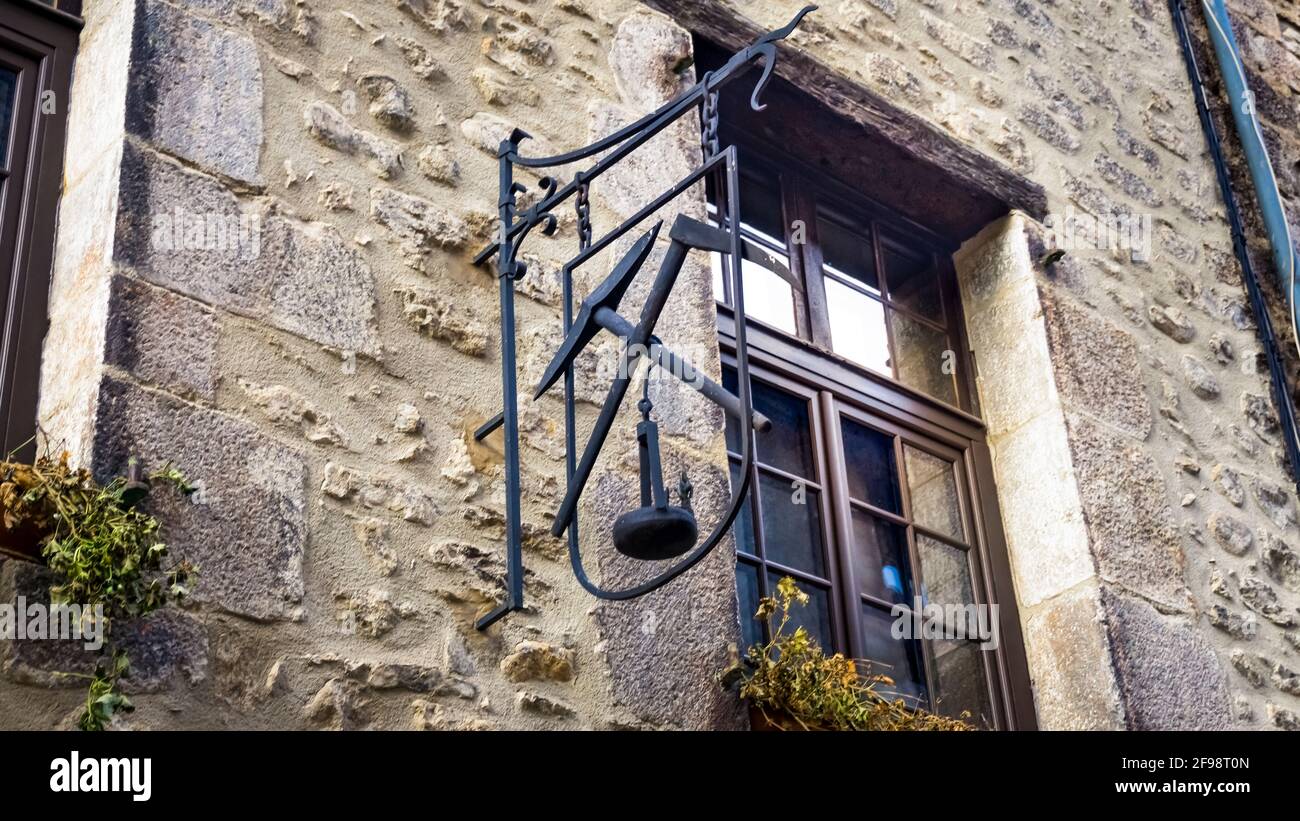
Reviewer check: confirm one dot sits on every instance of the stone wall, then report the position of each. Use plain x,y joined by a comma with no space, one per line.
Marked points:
319,373
315,354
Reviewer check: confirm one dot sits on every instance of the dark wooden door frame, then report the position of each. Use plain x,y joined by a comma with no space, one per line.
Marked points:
41,42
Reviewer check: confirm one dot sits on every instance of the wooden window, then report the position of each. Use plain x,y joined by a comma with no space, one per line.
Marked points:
37,44
873,489
848,276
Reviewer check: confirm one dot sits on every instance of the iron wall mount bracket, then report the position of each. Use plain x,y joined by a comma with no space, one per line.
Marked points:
600,309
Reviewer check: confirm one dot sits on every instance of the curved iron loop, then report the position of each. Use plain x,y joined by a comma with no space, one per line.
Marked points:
511,236
621,141
740,492
762,47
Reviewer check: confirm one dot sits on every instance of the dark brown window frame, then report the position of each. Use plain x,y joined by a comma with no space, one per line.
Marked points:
40,42
835,386
797,182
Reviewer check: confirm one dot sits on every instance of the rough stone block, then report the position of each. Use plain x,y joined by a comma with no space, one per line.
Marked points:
1074,683
664,648
196,91
162,647
162,338
301,277
245,526
1134,537
1169,676
1097,367
1047,536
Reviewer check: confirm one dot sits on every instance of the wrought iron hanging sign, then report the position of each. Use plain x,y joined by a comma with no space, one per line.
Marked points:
658,529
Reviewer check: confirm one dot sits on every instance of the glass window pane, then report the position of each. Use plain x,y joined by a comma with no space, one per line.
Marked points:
960,683
792,526
913,281
924,359
880,558
847,252
760,208
8,91
815,617
788,445
744,524
715,265
768,298
900,659
731,383
751,630
857,326
945,574
869,461
932,486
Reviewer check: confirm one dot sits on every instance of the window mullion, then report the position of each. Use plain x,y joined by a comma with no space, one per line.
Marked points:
814,325
836,489
882,279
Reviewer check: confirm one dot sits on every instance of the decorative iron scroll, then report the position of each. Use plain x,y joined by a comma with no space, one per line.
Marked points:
658,529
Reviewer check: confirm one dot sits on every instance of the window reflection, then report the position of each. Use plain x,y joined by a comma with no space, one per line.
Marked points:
858,327
847,253
924,360
8,91
913,281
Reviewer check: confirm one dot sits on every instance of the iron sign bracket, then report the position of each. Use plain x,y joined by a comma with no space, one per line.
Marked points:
599,312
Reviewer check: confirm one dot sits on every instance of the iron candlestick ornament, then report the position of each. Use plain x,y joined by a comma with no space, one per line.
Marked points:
658,529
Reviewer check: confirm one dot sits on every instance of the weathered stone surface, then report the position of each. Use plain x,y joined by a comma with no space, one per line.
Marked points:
649,58
161,338
1274,501
1234,624
168,647
1134,538
1066,642
339,704
1260,597
1169,676
437,162
1260,417
419,59
1199,378
372,535
1096,367
1282,563
1172,322
1254,667
379,492
1228,482
437,318
371,613
661,647
1233,535
419,224
538,660
300,277
407,419
485,132
430,716
1283,718
245,526
329,127
1048,129
542,705
390,104
196,91
1286,680
291,410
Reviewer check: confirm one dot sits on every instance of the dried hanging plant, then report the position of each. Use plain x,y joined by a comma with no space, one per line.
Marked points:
103,552
794,685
